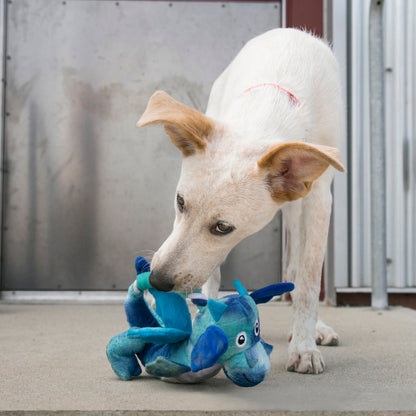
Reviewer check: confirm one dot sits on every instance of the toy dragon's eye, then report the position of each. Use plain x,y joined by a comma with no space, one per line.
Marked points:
257,328
241,339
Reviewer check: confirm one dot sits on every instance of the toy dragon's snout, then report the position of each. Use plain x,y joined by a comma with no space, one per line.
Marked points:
250,367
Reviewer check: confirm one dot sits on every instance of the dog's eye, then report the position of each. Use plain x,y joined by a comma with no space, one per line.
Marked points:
181,202
222,228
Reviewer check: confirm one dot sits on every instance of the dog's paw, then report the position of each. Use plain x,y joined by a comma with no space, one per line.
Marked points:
325,335
307,362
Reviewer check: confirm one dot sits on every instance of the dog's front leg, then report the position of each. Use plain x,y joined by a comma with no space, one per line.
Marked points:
307,222
211,288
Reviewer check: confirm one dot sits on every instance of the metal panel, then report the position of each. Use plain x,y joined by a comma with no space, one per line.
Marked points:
377,156
400,98
86,192
359,148
395,104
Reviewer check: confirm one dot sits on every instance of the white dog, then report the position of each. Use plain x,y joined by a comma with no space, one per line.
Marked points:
267,142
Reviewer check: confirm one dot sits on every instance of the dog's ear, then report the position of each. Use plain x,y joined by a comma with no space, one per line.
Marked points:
292,167
186,127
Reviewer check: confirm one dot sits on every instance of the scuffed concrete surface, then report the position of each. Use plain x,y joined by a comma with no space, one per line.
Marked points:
53,359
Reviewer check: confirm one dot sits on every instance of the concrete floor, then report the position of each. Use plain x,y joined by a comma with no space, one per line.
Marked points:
53,359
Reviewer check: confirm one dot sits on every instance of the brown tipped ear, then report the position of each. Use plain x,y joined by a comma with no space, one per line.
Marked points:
292,167
186,127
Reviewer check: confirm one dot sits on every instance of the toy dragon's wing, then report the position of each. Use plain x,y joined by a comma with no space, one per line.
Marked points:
172,314
173,311
158,335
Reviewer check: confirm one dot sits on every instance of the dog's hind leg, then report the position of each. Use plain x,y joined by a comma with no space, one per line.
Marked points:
307,222
211,288
325,335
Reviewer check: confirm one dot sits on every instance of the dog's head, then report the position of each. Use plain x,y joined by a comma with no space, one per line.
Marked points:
226,191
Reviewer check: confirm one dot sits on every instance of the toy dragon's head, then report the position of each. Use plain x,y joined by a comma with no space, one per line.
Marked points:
227,331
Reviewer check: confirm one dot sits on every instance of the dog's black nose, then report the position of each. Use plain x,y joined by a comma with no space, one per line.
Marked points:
160,281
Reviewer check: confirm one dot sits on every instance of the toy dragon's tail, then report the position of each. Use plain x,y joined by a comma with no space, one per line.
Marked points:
139,313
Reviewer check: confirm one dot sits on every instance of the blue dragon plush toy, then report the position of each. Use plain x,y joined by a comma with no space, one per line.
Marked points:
225,335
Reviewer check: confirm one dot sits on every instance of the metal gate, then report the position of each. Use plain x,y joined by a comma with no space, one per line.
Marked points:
400,125
84,191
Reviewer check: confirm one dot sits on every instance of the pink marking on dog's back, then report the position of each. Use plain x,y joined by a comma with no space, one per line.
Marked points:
278,87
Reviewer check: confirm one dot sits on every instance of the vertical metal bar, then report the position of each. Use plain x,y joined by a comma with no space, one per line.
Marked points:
327,21
379,298
338,250
3,15
283,13
329,286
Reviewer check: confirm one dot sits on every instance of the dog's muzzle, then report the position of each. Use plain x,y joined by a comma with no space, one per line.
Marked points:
160,281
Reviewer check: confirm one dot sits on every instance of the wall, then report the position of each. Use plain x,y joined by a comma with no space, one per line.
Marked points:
85,192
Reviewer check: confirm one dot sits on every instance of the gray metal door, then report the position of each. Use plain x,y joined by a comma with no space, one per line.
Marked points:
85,192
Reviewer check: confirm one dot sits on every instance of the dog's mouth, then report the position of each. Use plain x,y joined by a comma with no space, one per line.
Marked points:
180,282
169,278
188,283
